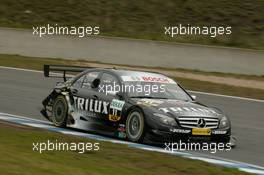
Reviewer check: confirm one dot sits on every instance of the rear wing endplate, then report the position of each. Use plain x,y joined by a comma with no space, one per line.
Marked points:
58,70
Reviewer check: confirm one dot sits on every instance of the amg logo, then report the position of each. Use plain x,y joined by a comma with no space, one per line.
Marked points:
91,105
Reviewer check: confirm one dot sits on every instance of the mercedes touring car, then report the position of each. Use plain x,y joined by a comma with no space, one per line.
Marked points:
134,105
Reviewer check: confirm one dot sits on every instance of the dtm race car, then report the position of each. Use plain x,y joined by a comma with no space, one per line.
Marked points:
134,105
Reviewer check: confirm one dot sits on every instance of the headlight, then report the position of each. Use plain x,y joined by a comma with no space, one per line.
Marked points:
166,119
224,122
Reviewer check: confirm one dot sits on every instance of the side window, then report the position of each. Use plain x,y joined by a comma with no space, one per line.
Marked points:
108,84
86,80
78,83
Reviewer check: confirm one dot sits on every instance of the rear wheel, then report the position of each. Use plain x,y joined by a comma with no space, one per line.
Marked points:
135,126
60,111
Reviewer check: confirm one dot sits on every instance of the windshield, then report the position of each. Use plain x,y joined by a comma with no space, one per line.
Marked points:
140,89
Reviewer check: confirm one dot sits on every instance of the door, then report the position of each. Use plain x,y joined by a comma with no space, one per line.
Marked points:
108,87
85,101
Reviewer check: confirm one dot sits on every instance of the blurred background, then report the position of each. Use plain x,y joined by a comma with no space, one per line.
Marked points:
145,19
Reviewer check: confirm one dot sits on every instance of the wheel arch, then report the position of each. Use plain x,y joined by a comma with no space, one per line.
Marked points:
131,108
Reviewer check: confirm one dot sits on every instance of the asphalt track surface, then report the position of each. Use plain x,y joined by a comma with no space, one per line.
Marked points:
133,52
21,93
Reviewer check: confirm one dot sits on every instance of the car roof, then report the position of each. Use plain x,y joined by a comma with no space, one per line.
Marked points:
131,73
122,72
135,75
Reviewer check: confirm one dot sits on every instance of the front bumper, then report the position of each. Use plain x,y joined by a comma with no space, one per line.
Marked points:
186,135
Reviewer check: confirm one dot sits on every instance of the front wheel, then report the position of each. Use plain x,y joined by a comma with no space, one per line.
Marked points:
59,112
135,126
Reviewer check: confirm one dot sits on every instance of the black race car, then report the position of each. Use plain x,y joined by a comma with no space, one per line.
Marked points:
134,105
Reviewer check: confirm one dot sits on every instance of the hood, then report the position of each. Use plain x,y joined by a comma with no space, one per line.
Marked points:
177,108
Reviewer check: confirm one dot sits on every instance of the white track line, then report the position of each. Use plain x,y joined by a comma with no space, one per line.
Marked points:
20,69
198,92
227,96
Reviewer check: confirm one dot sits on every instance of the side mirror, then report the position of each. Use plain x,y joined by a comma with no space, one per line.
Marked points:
194,97
95,83
113,93
119,95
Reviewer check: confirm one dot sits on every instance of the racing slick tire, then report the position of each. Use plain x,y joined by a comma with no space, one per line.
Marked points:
135,126
59,112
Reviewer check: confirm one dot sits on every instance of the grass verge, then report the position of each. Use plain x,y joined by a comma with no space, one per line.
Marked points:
191,84
145,19
17,157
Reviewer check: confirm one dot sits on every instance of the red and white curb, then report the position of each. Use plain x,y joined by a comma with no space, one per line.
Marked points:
48,126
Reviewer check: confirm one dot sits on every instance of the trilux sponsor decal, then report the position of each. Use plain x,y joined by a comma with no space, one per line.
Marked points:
92,105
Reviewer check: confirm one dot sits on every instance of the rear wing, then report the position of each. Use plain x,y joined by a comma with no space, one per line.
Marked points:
61,70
